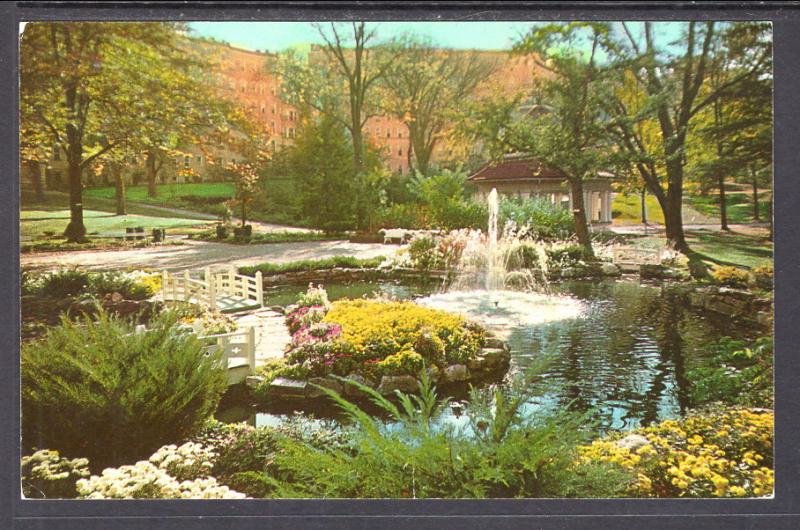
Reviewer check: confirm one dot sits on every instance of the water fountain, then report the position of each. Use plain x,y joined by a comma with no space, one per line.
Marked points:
481,286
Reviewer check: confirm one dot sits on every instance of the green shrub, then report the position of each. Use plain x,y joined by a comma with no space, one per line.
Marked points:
739,374
537,218
411,216
336,262
101,390
502,455
731,276
763,276
103,283
63,283
566,255
422,251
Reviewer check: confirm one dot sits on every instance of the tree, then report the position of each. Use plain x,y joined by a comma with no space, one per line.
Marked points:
567,128
737,125
340,82
671,83
97,86
427,88
321,163
246,186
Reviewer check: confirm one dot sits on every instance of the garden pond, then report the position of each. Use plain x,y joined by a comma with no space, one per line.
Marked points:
617,348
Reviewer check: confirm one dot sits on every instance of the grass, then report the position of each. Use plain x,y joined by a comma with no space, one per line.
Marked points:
739,207
721,248
37,224
57,201
627,209
336,262
167,193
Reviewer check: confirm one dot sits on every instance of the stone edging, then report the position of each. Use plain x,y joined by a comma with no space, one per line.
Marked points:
491,362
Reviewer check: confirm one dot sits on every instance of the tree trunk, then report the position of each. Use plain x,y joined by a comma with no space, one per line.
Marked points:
644,205
76,230
119,191
579,215
723,205
756,215
35,169
673,216
151,174
771,219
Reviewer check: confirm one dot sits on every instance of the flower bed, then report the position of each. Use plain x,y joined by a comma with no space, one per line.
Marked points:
716,454
383,343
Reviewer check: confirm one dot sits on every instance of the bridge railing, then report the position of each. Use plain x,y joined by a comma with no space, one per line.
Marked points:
636,256
238,348
210,285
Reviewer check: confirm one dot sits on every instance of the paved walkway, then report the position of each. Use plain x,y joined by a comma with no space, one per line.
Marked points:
199,254
272,336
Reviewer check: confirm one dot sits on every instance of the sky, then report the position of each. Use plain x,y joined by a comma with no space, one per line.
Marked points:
277,36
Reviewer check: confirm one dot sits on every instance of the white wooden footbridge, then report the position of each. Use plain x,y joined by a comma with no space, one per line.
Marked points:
228,292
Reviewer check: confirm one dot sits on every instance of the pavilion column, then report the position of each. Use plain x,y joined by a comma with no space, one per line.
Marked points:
608,207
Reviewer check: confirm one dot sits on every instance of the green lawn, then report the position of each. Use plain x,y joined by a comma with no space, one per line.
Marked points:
627,209
34,223
739,207
721,248
167,193
57,201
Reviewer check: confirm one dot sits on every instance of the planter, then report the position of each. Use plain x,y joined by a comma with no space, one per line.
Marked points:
159,234
243,232
222,231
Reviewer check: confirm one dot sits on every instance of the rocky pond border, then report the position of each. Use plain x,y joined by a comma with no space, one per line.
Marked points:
491,363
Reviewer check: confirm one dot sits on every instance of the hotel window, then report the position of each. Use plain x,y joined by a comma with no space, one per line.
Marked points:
388,134
273,108
400,133
400,152
56,153
263,109
378,130
272,91
199,159
272,124
291,132
186,161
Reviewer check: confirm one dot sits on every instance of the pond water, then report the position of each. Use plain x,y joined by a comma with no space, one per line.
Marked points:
620,349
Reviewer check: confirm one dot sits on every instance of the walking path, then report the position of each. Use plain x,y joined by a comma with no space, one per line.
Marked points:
199,254
271,333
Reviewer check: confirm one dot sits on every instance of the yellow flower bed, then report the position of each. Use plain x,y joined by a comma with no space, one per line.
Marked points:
401,333
718,454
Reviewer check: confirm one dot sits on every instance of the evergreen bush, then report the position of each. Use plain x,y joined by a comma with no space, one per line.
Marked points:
101,390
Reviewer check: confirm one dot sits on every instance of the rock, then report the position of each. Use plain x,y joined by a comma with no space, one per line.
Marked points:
403,383
252,381
651,271
698,269
570,272
632,442
455,373
85,306
434,373
285,387
489,360
350,390
116,297
609,269
494,342
326,382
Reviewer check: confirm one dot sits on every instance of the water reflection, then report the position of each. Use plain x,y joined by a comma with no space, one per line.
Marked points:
625,356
